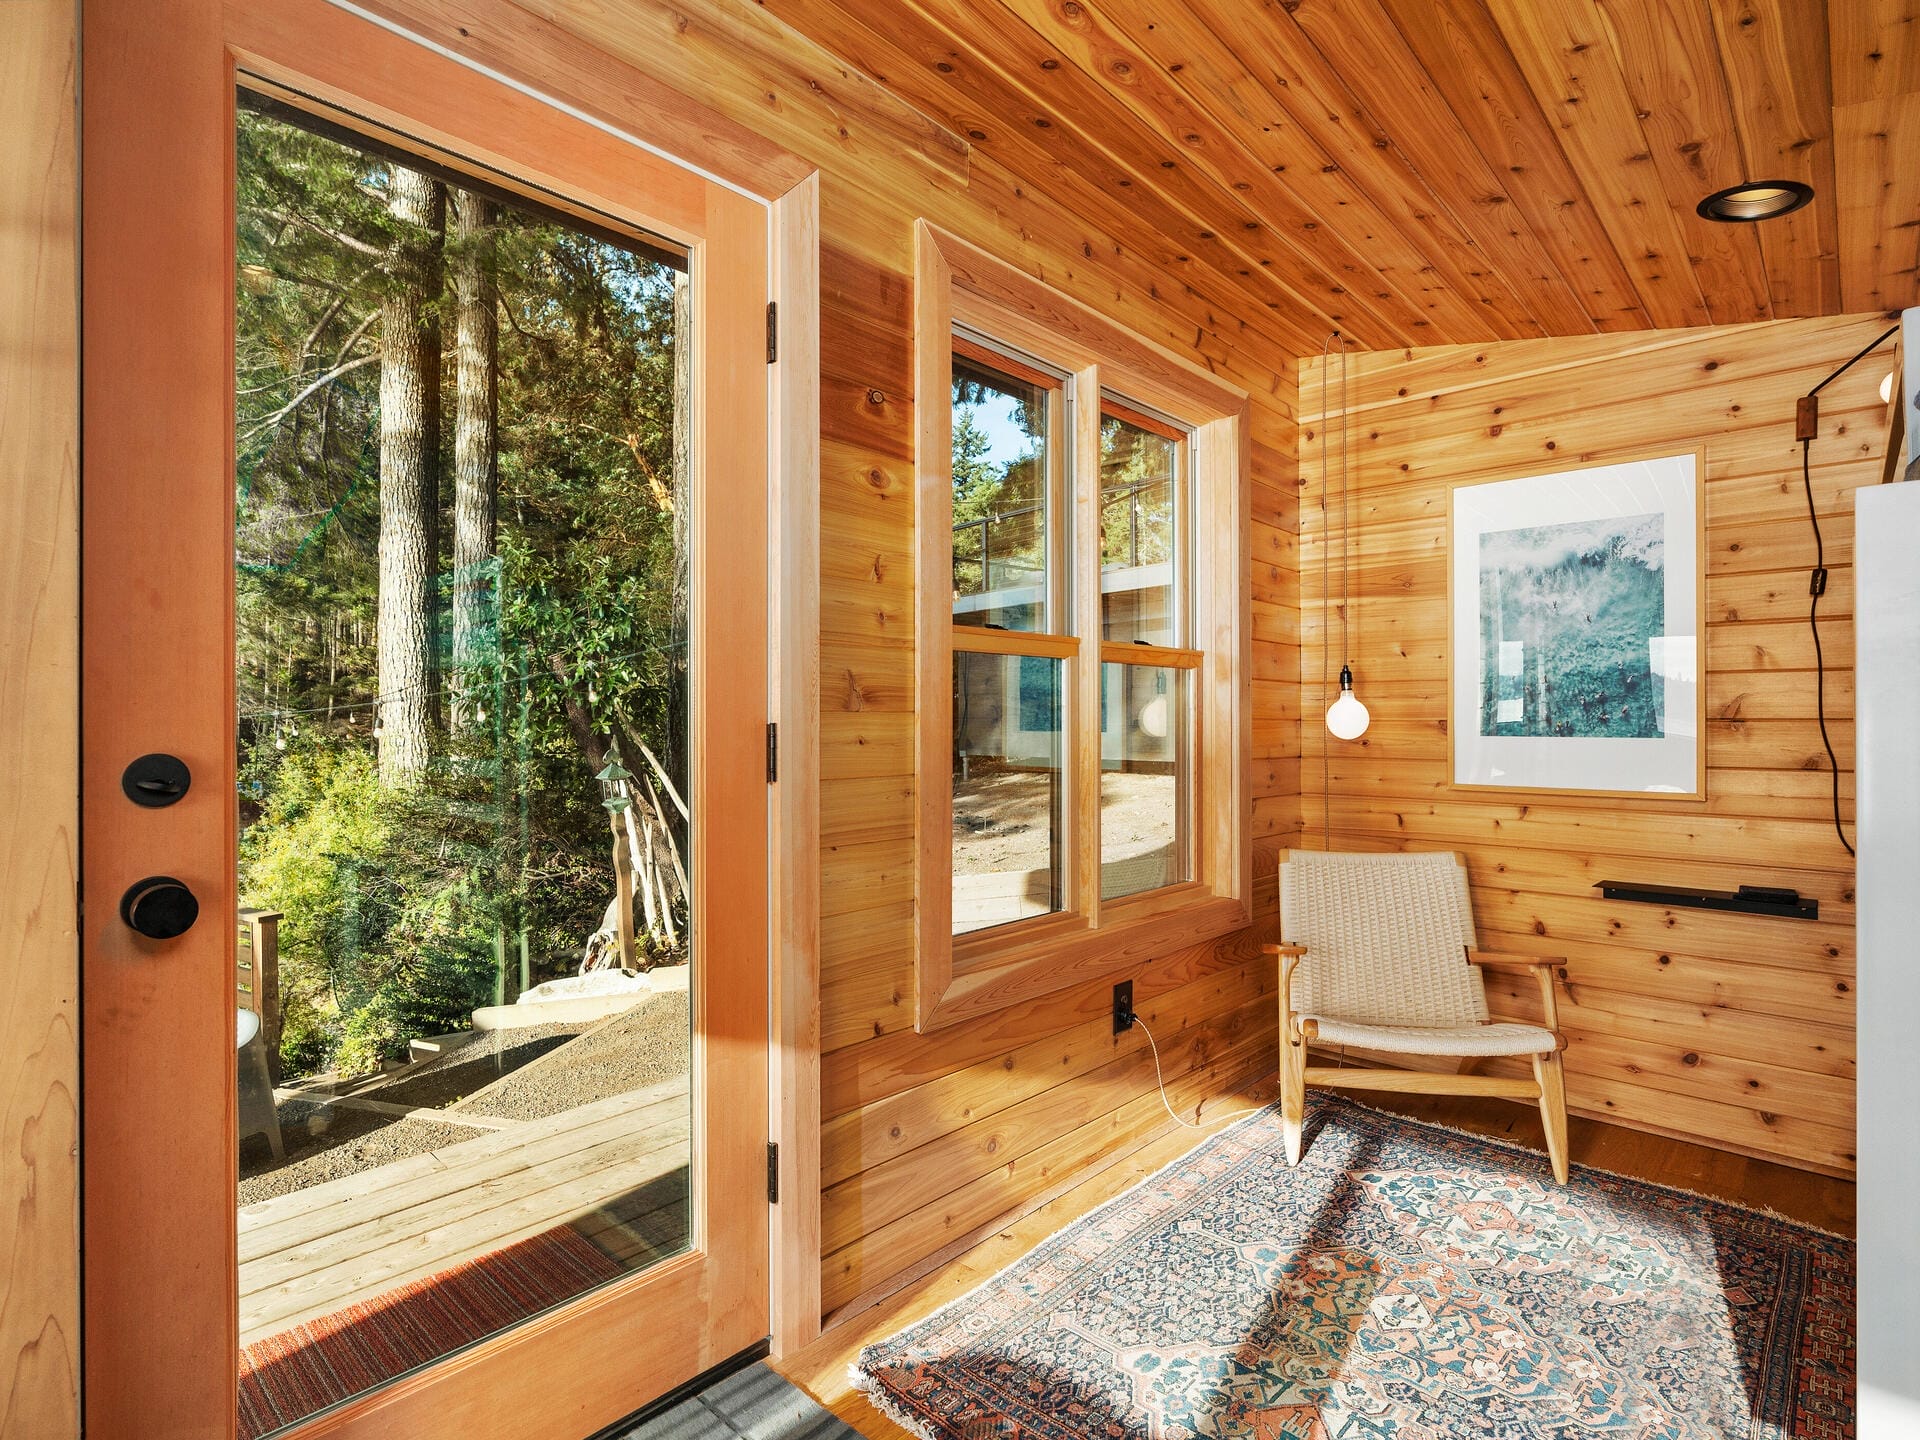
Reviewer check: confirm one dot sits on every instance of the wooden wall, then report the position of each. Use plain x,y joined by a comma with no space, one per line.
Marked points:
39,639
927,1139
1733,1030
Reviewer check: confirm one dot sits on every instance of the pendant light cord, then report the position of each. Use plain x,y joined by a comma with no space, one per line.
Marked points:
1346,542
1326,588
1326,594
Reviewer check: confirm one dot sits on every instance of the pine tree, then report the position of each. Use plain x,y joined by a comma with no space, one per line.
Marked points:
409,473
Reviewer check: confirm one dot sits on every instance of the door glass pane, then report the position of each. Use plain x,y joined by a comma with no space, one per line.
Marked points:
1140,498
1144,779
463,461
1003,434
1008,827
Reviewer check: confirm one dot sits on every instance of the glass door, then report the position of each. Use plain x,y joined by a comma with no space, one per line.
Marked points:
452,816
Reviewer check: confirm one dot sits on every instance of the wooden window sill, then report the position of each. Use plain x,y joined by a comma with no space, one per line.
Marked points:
992,969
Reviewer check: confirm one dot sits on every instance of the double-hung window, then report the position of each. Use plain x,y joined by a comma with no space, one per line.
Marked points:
1081,703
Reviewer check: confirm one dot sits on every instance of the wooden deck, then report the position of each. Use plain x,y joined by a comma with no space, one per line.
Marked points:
615,1169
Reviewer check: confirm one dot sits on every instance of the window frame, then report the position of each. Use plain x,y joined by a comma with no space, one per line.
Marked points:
963,292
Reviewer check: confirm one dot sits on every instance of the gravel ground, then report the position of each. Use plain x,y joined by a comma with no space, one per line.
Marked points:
447,1079
639,1047
325,1142
577,1063
1001,818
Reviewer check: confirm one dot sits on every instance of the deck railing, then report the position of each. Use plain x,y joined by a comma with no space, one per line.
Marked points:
257,977
976,570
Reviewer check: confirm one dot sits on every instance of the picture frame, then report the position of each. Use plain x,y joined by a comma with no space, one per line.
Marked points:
1576,625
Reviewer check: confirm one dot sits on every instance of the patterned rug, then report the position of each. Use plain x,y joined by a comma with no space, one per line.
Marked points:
1406,1282
308,1367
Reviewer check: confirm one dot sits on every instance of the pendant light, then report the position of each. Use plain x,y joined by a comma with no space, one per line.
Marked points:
1346,718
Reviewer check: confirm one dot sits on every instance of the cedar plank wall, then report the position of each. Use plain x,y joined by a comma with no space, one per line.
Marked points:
929,1138
1732,1030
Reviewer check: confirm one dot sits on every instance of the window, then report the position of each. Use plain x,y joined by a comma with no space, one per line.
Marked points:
1082,756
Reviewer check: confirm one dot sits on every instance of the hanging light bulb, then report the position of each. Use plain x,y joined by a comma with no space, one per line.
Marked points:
593,696
279,742
479,714
1347,718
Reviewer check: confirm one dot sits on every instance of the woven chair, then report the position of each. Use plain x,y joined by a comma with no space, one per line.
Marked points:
1386,961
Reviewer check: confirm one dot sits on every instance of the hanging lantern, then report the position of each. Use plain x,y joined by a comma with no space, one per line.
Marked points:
613,783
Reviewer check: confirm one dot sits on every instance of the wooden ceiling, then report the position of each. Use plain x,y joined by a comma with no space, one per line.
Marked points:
1423,172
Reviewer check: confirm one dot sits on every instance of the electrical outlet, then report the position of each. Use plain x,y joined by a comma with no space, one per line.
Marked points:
1123,1007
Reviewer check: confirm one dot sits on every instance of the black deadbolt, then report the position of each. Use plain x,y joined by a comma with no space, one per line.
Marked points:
159,907
156,780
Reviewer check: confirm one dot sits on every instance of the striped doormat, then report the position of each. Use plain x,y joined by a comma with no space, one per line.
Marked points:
289,1376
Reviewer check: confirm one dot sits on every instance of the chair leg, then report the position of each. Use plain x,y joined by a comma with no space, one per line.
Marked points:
1553,1109
268,1119
1293,1093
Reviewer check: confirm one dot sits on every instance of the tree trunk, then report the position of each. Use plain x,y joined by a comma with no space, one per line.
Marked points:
675,742
476,446
409,471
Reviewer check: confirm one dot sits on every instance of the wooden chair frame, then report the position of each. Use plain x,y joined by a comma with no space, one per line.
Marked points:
1547,1088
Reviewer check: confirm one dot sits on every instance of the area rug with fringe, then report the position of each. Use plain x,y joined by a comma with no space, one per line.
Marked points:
1405,1282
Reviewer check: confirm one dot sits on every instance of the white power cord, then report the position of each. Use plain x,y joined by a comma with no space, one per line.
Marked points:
1161,1078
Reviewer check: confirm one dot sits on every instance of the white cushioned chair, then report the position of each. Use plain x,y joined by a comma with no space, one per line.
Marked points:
1378,953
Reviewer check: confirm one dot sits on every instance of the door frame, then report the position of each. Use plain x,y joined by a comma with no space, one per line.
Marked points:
185,35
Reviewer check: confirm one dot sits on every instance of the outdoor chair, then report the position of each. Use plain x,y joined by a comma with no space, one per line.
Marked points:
257,1112
1383,949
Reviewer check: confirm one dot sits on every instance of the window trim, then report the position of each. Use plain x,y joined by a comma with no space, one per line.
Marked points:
961,977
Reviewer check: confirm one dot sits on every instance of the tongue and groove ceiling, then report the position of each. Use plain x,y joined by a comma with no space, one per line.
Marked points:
1422,172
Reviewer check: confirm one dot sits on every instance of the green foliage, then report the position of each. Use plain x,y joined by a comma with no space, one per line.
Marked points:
1137,495
397,900
390,919
998,499
977,481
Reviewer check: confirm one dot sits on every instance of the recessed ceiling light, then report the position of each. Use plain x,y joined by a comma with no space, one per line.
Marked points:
1756,200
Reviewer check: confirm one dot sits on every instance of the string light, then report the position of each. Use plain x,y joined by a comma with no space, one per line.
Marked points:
529,678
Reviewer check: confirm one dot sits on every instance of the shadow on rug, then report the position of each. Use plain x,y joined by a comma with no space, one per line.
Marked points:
1405,1282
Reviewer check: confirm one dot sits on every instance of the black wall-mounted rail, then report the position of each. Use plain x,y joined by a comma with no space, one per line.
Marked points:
1747,900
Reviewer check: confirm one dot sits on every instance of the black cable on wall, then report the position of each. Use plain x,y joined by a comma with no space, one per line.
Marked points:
1807,430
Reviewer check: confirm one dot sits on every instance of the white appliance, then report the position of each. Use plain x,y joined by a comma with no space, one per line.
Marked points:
1887,690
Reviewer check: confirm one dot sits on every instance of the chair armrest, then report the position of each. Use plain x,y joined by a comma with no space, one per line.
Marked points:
1544,967
1506,960
1290,957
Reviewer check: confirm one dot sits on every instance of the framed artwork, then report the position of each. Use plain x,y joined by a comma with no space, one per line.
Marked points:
1575,617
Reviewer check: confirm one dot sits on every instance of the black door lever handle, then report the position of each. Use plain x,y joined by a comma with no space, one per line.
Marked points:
159,907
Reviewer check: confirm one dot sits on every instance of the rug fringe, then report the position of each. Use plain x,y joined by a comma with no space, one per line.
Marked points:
1763,1211
877,1396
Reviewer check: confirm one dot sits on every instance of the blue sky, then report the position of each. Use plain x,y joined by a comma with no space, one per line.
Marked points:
998,421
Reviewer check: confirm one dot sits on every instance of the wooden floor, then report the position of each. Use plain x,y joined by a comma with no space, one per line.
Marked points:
821,1368
614,1169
